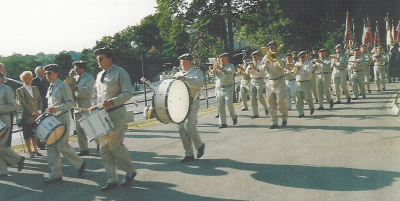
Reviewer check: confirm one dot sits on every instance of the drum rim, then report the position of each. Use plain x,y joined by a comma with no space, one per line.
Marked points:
52,131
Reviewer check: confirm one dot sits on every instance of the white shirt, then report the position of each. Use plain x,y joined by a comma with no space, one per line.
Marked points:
29,89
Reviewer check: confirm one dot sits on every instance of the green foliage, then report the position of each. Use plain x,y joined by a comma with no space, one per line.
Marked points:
64,61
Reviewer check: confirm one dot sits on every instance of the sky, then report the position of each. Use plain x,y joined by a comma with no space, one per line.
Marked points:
51,26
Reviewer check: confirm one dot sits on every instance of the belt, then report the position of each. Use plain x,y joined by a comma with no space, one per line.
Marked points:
357,71
301,81
324,73
5,113
114,108
257,78
63,112
292,79
227,86
277,78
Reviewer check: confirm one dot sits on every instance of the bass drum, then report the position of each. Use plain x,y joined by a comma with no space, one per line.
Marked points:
171,101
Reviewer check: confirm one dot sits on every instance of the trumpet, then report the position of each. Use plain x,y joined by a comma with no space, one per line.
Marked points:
271,56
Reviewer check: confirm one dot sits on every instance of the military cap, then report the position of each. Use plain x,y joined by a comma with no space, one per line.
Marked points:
289,54
104,50
356,49
186,56
271,43
338,46
223,55
322,50
302,54
294,52
80,64
255,53
380,47
363,45
52,67
247,57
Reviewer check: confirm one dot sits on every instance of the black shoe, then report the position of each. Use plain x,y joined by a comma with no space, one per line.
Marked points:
187,159
21,163
331,104
338,102
83,153
53,181
235,121
266,112
284,123
128,179
273,127
364,96
354,99
200,151
98,148
255,116
109,186
348,100
320,108
245,109
369,91
301,116
222,126
81,170
217,116
311,111
38,154
383,88
43,148
316,100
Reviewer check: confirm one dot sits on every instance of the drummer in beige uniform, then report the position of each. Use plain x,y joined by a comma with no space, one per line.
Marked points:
275,71
257,84
224,89
111,90
60,102
7,105
83,96
187,130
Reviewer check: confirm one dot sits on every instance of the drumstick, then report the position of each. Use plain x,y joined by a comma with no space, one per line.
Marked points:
40,116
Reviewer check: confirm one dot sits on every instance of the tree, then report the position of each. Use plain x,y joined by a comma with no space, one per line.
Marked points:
64,61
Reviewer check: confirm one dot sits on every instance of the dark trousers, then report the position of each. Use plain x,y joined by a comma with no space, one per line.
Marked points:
8,142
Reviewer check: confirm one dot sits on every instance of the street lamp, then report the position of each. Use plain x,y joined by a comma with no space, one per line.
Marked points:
135,45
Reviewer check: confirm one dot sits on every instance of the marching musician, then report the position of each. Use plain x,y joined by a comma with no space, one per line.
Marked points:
7,106
290,91
245,82
275,71
60,102
380,60
31,101
339,74
303,70
257,84
3,70
111,90
224,86
366,67
187,130
83,96
356,66
324,78
310,57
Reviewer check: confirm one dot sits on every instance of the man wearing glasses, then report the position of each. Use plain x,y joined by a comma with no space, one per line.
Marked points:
111,90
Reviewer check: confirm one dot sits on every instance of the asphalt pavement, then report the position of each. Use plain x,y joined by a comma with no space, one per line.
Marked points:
350,152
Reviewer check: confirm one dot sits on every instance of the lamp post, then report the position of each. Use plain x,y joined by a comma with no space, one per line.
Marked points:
135,45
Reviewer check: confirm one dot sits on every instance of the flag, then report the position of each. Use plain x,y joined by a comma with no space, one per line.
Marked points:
398,31
347,31
135,103
364,38
389,36
392,33
354,31
377,40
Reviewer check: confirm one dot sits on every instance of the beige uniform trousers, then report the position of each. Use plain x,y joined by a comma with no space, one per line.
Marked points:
314,85
82,139
257,87
379,72
62,147
277,97
357,80
339,81
244,91
112,148
303,92
7,155
323,83
188,131
225,98
290,93
367,75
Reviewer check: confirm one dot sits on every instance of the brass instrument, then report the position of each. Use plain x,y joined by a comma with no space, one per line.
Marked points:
271,56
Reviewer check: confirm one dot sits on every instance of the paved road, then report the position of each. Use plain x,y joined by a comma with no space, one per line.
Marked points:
351,152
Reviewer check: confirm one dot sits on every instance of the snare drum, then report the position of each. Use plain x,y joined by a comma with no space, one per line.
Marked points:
171,101
3,129
49,129
96,124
